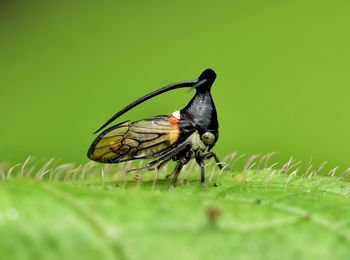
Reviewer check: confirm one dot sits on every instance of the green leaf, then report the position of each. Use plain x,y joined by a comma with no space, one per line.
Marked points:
261,214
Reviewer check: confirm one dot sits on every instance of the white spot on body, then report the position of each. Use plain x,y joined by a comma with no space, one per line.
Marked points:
176,114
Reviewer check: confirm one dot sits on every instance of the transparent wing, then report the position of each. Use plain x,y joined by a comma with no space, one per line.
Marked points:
148,138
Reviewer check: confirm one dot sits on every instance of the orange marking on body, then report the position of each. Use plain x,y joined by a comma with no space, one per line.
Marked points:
173,120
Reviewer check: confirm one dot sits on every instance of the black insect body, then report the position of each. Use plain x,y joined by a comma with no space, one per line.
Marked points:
186,134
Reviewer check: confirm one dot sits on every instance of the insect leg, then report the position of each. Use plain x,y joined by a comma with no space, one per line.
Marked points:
160,165
201,164
177,170
216,158
170,154
161,160
152,166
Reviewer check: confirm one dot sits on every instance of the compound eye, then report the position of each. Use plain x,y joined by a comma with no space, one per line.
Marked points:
208,138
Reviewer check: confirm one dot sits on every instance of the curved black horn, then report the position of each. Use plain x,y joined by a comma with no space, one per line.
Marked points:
183,84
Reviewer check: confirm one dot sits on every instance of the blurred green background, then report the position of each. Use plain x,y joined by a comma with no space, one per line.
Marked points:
283,72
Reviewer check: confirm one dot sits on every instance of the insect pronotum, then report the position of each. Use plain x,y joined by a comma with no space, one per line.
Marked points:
189,133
